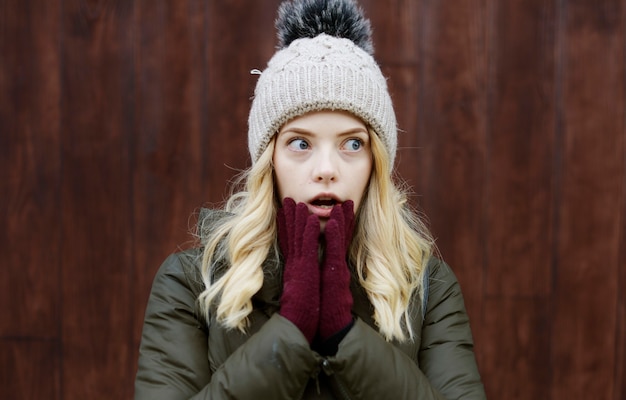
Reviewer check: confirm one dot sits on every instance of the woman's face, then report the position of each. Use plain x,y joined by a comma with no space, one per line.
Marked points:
323,158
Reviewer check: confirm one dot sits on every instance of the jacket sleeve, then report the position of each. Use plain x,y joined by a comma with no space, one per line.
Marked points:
275,362
447,347
367,366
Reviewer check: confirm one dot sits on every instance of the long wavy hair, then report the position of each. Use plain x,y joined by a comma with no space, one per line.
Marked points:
389,257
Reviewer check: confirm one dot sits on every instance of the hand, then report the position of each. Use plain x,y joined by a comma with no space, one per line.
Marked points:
298,237
336,298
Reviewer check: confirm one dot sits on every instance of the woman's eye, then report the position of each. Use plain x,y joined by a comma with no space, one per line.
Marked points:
353,144
298,144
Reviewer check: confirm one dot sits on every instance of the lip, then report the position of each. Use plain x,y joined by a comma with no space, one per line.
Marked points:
323,211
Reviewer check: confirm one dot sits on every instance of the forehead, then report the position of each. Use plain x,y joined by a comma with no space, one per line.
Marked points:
325,119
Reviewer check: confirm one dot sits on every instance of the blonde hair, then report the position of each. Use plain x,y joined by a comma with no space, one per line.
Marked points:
242,240
389,256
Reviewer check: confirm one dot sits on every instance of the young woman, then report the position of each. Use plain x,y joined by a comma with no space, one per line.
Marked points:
316,280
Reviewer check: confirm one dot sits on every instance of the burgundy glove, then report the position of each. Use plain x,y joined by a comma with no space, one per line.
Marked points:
336,298
298,237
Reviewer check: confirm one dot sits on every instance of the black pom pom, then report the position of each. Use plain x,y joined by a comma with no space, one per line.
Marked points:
309,18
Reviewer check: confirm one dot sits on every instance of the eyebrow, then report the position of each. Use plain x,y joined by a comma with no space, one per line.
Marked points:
306,132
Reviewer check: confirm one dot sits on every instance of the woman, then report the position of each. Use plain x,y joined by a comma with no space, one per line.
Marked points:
317,280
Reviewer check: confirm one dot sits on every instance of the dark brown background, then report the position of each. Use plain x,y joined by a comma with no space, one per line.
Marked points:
118,119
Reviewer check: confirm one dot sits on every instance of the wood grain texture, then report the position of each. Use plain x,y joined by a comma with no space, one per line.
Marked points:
520,369
231,55
168,148
451,109
30,369
395,30
587,251
619,381
97,215
399,64
30,165
119,119
520,149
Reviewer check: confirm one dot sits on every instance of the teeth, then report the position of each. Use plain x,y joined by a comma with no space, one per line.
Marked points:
325,203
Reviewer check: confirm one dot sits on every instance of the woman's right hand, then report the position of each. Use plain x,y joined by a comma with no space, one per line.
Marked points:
298,237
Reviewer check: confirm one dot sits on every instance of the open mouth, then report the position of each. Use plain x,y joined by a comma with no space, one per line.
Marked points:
324,202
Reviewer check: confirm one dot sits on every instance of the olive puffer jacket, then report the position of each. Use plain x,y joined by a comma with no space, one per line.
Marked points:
184,356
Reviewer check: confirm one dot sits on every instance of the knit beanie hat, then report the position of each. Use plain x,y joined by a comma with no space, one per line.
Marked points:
324,62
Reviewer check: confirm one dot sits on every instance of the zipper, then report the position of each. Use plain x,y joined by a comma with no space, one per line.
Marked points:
335,382
314,375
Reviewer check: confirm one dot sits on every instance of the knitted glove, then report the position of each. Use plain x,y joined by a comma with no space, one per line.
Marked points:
298,237
336,298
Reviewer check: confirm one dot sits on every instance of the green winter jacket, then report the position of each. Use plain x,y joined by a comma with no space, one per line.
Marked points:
183,356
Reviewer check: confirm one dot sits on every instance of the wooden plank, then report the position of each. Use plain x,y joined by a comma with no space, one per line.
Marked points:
619,378
516,358
404,87
98,107
451,118
521,149
242,37
30,369
397,26
592,172
396,33
171,122
620,331
30,167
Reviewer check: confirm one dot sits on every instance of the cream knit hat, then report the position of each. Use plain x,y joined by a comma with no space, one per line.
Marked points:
321,72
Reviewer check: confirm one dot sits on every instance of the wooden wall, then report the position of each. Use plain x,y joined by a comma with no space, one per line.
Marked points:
118,119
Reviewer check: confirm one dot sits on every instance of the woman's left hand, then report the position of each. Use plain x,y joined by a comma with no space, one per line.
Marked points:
335,297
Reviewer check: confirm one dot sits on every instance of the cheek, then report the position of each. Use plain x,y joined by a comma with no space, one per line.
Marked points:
279,179
323,225
286,179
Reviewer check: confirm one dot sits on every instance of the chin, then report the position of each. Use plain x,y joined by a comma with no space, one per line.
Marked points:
322,225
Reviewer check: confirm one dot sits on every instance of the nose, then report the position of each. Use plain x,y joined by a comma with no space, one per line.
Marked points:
325,169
